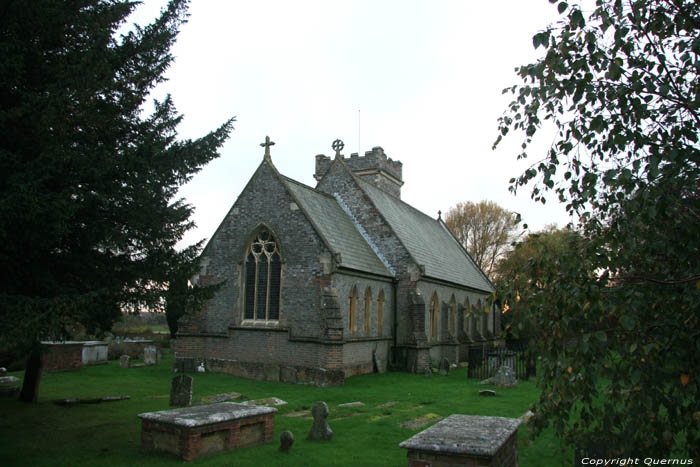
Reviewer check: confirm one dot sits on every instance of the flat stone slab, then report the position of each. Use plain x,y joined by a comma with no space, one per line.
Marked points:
203,415
216,398
487,393
387,404
352,404
7,380
268,401
420,421
470,435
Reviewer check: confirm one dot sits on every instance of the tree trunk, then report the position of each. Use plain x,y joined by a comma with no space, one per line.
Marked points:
32,375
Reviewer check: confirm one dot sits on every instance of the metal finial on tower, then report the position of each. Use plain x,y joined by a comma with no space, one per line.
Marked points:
439,215
267,145
338,146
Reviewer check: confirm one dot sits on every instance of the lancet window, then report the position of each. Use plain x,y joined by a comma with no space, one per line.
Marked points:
263,269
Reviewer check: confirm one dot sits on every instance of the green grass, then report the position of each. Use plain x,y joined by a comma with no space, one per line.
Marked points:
46,434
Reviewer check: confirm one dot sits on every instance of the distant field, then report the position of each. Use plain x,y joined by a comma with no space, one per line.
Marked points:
108,434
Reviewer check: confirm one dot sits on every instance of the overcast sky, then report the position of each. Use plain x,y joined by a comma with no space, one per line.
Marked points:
425,76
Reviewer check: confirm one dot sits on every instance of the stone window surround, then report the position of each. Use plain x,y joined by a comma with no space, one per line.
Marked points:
266,323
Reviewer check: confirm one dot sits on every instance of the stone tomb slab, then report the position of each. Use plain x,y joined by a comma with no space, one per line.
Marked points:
466,440
194,432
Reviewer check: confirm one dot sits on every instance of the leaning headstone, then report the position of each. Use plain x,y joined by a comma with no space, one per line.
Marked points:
181,391
286,441
428,372
320,431
124,361
150,355
487,392
504,377
444,367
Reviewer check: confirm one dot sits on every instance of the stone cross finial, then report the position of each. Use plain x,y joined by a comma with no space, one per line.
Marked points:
337,146
267,145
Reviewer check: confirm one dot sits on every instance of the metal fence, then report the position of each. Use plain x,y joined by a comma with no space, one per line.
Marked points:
484,361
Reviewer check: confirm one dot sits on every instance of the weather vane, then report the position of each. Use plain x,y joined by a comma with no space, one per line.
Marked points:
337,146
267,145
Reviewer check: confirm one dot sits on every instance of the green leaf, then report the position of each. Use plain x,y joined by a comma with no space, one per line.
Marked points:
628,322
562,7
601,336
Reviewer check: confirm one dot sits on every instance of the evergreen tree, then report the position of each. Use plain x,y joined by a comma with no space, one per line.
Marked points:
89,217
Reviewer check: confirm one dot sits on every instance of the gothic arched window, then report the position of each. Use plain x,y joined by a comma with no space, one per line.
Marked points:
453,315
368,311
353,311
263,269
380,313
434,317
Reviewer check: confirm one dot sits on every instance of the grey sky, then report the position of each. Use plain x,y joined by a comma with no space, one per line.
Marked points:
426,76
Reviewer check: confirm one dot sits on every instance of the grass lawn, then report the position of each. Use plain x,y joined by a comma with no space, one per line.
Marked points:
46,434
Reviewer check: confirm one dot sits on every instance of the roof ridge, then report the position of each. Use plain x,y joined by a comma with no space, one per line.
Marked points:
398,199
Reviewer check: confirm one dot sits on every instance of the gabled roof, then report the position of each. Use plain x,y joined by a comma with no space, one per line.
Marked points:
337,228
428,241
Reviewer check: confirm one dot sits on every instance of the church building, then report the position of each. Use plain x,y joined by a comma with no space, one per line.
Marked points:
338,280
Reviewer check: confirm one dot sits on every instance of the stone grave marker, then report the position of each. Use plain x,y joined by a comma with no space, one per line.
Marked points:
352,404
124,361
150,355
320,431
466,440
444,367
428,372
181,391
487,392
504,377
286,441
8,386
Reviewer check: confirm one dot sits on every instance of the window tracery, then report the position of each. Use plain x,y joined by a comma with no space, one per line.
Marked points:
263,270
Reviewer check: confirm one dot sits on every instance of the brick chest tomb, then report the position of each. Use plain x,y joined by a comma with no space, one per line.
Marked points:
194,432
465,440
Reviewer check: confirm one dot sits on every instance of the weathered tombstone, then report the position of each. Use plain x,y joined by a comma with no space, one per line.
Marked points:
504,377
378,363
124,361
286,441
487,392
8,386
428,372
444,367
320,431
150,355
181,391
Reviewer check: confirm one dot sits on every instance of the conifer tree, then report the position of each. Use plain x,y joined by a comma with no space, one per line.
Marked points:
89,214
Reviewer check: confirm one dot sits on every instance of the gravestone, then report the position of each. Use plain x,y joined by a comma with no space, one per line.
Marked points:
181,391
444,367
504,377
465,440
124,361
378,363
8,386
286,441
320,431
150,355
487,392
428,372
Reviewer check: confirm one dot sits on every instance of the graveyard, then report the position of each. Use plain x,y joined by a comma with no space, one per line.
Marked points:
369,417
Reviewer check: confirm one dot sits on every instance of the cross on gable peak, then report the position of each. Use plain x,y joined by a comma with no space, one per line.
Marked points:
267,145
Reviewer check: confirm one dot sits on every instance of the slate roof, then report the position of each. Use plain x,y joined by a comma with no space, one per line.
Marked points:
428,241
338,229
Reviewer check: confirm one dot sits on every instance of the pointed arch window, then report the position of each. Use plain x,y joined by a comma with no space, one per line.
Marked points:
353,311
263,269
368,311
380,313
453,315
434,317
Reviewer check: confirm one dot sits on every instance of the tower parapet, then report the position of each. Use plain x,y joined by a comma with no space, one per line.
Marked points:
374,167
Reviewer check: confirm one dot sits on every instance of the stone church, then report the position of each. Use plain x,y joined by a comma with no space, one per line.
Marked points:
338,280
